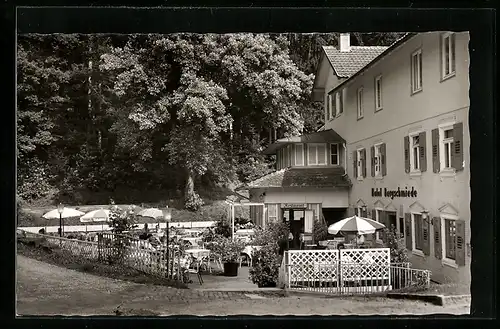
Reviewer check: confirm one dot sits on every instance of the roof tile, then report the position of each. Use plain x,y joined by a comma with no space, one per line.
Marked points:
348,63
303,177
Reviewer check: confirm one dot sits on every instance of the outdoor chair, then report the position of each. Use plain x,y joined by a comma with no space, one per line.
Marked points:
247,257
194,268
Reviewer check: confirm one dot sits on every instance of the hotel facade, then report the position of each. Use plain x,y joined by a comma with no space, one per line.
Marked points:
394,147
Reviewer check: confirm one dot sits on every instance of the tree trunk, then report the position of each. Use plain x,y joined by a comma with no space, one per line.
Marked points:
189,189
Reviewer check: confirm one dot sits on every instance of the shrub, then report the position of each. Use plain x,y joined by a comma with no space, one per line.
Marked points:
272,234
265,267
267,260
393,241
222,227
193,202
320,230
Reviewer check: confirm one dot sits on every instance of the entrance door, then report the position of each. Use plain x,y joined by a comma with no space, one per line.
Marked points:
392,220
295,219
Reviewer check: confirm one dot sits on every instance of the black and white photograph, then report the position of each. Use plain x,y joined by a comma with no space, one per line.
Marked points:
164,174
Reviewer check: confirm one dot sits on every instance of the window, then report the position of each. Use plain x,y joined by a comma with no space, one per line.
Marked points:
416,71
415,154
447,143
378,93
299,155
327,107
340,101
447,55
333,106
360,163
316,154
450,238
334,154
360,102
418,229
272,213
377,160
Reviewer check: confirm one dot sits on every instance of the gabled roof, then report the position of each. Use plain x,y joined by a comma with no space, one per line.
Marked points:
396,44
346,64
302,177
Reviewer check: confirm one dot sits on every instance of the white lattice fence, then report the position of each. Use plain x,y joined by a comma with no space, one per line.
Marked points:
365,264
312,266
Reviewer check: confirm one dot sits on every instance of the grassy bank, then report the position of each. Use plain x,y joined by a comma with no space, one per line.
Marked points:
38,249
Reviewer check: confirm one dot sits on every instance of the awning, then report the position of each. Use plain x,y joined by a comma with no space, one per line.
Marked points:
324,136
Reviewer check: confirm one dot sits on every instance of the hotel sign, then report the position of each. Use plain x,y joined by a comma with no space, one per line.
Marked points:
294,205
399,193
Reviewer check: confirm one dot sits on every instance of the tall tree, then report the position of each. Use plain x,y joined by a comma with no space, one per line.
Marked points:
197,87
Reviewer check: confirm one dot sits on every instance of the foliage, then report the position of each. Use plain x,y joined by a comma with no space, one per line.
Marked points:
34,180
226,249
320,230
178,112
271,234
265,267
394,241
120,222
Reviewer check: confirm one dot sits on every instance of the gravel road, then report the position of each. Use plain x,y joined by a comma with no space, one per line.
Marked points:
44,289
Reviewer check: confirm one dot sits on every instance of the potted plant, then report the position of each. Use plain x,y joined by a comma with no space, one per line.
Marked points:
229,252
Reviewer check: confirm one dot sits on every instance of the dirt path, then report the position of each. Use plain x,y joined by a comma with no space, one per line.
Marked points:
50,290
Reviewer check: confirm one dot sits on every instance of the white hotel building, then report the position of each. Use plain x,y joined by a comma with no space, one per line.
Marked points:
394,147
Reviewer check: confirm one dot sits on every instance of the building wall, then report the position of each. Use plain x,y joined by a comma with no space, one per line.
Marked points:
438,102
400,107
329,198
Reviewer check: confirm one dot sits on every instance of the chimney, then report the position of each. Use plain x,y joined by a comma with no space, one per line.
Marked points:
345,42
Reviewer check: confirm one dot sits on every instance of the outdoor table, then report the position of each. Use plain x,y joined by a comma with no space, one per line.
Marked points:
198,252
192,240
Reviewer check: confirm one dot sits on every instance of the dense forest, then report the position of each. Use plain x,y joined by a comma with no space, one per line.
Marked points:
143,117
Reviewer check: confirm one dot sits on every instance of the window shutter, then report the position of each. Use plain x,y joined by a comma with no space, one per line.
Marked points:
460,243
363,161
435,150
383,220
374,214
321,154
426,243
408,233
438,247
423,151
372,160
457,154
407,153
355,163
311,154
383,162
292,155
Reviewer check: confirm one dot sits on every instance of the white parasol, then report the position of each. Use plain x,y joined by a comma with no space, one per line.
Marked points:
100,215
355,225
154,213
66,213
